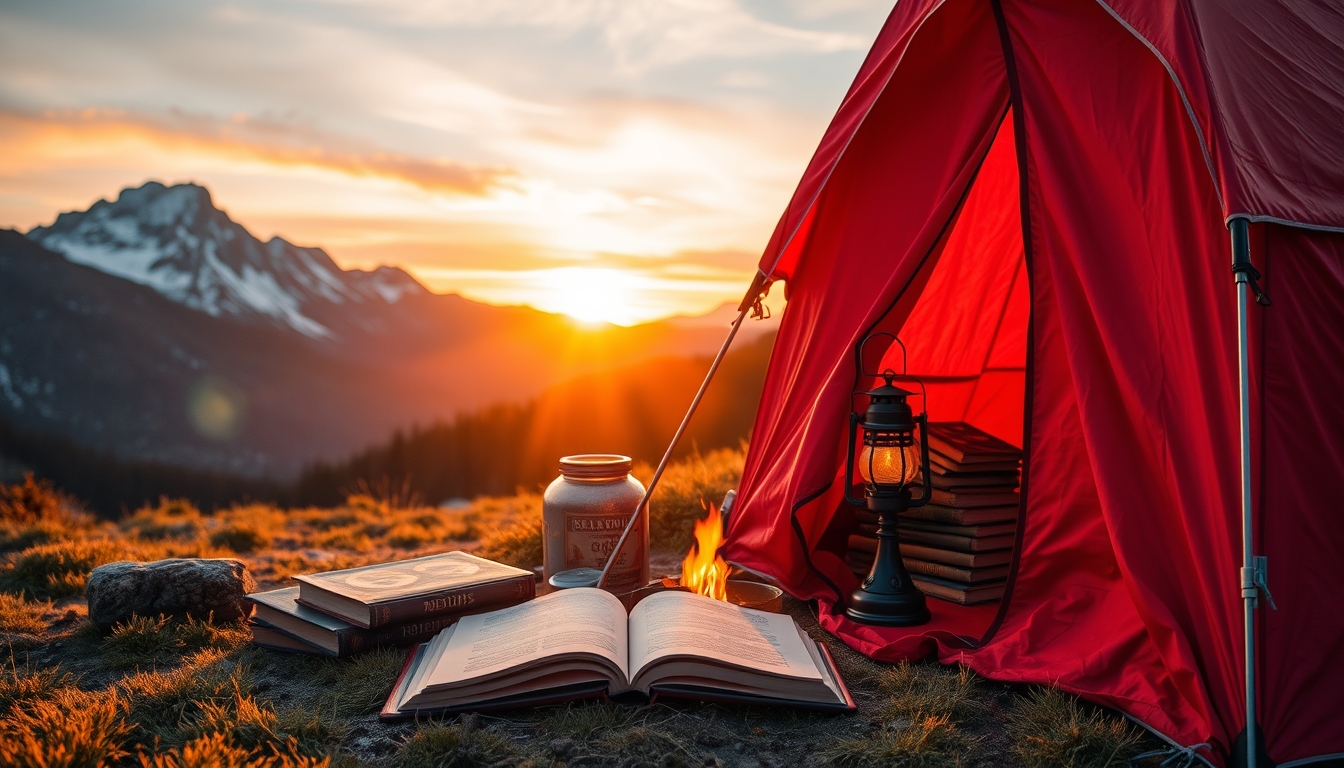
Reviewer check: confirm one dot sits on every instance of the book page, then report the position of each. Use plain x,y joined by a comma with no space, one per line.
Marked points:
683,624
569,621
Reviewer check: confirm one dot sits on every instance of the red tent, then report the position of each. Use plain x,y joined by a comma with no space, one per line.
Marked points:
1035,195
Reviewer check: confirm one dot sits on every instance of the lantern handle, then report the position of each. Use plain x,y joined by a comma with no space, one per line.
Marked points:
905,366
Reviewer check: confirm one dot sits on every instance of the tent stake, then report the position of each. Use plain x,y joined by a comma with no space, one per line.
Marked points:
752,301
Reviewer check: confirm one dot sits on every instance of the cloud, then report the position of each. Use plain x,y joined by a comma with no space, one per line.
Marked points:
241,137
641,34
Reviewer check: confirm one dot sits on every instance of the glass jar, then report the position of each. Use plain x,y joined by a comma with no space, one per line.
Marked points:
584,511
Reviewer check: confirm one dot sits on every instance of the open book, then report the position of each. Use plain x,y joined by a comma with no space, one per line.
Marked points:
578,643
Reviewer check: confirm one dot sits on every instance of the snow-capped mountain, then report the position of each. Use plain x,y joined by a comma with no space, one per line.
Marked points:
174,240
126,327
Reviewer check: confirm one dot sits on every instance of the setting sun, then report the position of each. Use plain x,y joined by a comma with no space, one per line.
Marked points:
594,295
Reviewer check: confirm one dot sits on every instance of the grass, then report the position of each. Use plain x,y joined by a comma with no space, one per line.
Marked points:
58,569
922,690
148,642
179,694
459,745
23,616
686,486
1051,728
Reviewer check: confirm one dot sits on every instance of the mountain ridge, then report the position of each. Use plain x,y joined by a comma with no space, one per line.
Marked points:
176,241
129,368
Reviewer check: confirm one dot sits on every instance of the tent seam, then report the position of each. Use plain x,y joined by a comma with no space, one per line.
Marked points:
1015,102
779,256
1185,101
802,539
1258,219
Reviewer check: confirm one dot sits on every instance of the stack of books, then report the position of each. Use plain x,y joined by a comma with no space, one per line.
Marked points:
959,546
397,604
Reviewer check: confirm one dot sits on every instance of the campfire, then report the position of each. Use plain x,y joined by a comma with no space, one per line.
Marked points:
703,571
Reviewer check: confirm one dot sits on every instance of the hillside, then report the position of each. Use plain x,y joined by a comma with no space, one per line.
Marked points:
632,410
198,694
155,328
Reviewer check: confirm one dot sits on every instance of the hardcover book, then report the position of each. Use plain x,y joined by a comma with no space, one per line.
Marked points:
954,572
942,465
995,480
578,643
964,559
415,590
958,543
266,636
970,500
281,610
965,444
956,592
939,514
973,531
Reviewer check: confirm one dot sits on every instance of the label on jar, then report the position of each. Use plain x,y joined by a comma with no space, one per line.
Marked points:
590,538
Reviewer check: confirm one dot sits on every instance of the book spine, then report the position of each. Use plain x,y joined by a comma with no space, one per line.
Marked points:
355,640
453,602
949,572
963,500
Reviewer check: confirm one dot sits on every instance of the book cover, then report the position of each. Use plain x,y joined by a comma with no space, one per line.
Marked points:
281,610
958,592
266,636
973,531
972,500
419,588
939,514
965,444
958,543
963,559
954,572
993,481
943,465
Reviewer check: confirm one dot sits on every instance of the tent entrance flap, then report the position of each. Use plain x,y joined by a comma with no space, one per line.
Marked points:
965,337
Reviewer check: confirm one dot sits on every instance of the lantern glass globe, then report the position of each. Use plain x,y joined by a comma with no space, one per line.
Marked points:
889,464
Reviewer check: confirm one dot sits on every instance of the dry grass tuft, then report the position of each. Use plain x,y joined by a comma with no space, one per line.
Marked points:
1051,728
601,733
923,741
241,537
33,512
171,520
19,615
216,751
59,569
69,728
459,745
160,703
27,685
145,642
930,689
517,538
686,487
359,685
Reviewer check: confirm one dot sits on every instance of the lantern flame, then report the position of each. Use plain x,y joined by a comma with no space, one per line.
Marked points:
703,571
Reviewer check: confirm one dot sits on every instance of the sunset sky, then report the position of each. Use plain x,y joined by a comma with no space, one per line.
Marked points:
618,160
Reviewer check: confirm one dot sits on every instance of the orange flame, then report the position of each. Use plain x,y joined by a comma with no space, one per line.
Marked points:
703,571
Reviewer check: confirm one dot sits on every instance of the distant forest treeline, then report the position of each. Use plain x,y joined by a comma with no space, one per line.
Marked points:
632,411
498,450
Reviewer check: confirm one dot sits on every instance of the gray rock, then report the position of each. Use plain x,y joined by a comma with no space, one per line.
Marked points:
178,588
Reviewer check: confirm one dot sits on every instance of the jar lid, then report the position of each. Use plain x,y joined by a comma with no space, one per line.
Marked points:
595,466
576,577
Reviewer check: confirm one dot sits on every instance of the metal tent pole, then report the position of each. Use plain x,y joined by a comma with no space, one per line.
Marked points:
752,301
1252,567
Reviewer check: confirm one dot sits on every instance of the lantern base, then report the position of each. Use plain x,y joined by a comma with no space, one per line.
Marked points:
888,597
888,611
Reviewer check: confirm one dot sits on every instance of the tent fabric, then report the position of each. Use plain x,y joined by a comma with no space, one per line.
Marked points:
1033,196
